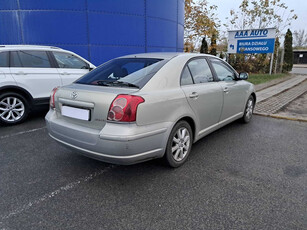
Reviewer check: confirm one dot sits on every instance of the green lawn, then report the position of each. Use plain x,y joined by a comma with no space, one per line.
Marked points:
262,78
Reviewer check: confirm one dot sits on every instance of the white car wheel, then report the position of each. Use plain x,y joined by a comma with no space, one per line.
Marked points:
13,108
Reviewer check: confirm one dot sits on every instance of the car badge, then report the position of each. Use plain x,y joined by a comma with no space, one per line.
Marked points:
73,95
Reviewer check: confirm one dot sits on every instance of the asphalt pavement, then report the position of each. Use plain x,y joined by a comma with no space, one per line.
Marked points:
240,177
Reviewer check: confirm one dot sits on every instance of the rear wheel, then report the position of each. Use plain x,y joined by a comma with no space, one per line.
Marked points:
249,108
179,144
14,108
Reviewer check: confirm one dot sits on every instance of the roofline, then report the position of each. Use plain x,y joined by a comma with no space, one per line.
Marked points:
29,46
163,55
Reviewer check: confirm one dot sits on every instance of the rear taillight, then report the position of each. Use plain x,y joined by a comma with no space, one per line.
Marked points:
52,101
124,107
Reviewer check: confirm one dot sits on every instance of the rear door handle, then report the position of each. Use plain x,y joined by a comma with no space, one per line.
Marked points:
64,73
226,90
193,95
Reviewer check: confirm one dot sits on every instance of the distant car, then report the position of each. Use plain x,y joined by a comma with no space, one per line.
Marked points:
29,73
145,106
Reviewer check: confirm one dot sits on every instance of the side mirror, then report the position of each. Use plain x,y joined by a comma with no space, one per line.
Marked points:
243,76
91,67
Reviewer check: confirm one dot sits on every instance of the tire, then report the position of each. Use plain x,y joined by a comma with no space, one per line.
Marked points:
248,111
179,147
14,108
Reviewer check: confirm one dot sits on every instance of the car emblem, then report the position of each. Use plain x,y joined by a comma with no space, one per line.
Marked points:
73,95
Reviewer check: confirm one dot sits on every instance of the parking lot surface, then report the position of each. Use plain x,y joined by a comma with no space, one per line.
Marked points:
240,177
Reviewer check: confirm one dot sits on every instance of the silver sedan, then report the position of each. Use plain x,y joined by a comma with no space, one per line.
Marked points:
145,106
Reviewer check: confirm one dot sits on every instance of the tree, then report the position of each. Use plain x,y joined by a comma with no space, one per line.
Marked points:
188,47
222,42
262,14
288,58
300,39
204,46
200,22
276,51
213,44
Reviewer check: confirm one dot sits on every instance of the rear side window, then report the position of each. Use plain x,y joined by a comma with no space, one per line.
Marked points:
29,58
186,78
200,71
123,72
4,62
67,60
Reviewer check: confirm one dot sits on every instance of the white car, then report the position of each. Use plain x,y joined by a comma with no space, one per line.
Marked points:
29,73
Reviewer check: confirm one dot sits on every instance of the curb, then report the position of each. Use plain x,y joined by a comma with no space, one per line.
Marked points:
282,117
299,67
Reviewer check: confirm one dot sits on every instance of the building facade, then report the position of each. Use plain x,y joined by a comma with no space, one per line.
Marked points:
299,56
98,30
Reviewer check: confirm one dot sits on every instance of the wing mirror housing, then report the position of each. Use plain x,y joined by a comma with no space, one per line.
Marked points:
243,76
91,67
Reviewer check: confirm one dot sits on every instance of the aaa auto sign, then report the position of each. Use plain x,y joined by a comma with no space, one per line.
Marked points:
251,41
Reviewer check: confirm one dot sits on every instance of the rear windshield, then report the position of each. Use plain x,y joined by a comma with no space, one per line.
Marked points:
123,72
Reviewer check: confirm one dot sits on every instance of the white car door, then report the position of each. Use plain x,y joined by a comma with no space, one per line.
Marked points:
5,74
32,71
70,67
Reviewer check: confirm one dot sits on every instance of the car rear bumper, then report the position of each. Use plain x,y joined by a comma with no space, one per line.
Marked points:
114,143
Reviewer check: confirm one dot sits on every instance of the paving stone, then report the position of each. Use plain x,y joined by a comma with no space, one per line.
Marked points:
276,89
272,104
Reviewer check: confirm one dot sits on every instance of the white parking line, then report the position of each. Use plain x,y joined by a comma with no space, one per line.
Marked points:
56,192
23,132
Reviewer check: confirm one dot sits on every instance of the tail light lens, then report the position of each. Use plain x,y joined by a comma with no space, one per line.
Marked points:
52,101
124,107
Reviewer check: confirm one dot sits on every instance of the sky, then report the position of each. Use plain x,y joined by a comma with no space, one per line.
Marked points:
299,7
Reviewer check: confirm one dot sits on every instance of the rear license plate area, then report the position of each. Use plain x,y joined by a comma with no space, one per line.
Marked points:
77,113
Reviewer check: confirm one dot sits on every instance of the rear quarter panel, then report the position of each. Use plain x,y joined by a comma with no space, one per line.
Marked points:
163,106
165,101
6,77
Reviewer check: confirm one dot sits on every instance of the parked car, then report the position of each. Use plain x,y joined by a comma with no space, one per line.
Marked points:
145,106
29,73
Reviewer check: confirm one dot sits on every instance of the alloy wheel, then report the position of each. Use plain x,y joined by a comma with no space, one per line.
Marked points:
11,109
180,144
249,109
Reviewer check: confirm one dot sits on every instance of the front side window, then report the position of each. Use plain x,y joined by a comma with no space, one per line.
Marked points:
29,58
4,59
223,72
123,72
200,71
67,60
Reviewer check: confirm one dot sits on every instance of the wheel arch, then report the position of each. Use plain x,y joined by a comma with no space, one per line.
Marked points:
19,90
191,122
254,96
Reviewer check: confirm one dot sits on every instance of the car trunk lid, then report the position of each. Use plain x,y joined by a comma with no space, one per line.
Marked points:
87,105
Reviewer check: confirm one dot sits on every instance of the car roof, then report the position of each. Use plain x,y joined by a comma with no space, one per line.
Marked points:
163,55
27,47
